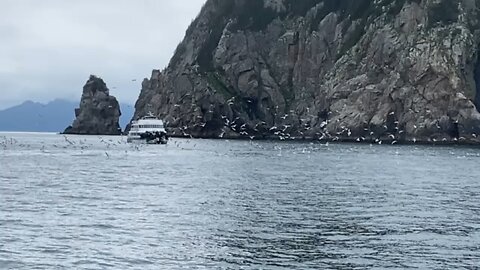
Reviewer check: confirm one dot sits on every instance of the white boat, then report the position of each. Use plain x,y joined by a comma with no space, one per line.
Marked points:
148,129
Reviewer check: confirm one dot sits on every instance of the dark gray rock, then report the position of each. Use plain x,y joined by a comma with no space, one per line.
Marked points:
99,112
395,70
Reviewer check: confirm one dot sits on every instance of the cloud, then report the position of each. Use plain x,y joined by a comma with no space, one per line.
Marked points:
49,47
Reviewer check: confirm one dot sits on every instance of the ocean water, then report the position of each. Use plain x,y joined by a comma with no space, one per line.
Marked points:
98,203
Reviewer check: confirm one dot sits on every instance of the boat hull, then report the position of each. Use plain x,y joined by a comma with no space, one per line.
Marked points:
149,139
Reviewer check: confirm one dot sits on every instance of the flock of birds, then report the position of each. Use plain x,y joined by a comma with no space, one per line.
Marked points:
281,132
288,132
116,147
6,142
112,147
105,145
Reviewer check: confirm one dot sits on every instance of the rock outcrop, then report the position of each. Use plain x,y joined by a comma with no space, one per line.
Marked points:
363,70
99,112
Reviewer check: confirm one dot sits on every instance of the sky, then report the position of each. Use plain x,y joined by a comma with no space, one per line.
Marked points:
49,48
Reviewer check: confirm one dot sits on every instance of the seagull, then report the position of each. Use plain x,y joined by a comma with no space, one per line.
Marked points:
286,127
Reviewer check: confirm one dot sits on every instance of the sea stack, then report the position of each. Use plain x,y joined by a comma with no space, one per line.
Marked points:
99,112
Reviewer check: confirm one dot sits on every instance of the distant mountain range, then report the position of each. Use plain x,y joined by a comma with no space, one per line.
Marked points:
54,116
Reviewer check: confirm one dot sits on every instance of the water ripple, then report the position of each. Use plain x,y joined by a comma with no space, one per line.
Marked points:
236,205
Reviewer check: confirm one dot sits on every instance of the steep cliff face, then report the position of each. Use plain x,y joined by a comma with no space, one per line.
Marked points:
363,70
99,112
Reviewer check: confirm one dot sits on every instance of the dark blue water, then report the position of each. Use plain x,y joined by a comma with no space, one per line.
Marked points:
99,203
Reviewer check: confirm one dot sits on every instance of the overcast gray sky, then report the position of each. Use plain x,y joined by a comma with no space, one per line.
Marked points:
48,48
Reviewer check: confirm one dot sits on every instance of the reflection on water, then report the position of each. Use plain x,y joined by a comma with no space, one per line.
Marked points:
96,203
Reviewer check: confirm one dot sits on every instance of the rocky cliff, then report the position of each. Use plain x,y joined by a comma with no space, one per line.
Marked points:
363,70
99,112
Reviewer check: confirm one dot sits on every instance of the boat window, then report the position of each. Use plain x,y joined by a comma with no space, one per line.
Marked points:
150,126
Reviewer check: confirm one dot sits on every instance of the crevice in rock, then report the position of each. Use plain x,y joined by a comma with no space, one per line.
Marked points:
455,132
476,77
293,51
